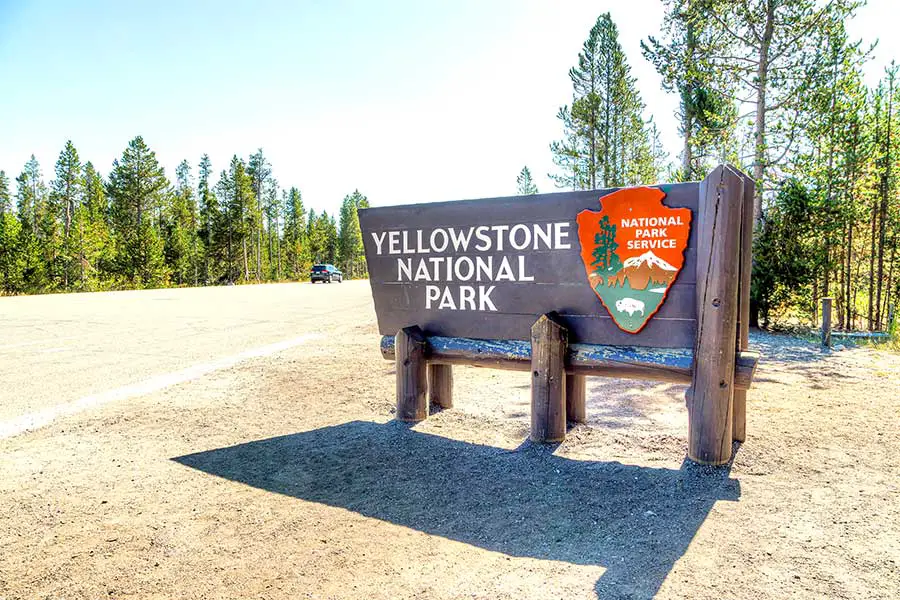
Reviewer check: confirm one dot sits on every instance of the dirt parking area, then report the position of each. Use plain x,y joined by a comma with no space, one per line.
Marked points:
284,476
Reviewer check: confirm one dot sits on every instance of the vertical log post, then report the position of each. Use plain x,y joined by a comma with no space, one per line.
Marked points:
710,408
739,420
575,398
826,322
440,385
412,383
548,380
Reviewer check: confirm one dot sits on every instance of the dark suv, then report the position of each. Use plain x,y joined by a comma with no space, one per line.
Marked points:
326,273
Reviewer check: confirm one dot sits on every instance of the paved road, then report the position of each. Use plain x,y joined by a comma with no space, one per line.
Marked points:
65,348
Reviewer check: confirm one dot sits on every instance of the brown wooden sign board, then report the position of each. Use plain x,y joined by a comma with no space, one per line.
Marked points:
649,282
489,268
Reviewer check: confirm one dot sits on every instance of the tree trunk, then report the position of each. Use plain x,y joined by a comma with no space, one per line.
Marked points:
871,324
246,263
815,299
885,189
851,305
890,281
762,75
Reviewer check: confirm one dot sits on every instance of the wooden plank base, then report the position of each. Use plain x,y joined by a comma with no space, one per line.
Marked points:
654,364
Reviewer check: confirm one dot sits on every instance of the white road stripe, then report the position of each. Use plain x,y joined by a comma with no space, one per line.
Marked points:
35,420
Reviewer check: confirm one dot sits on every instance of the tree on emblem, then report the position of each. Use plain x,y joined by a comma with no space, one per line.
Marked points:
606,261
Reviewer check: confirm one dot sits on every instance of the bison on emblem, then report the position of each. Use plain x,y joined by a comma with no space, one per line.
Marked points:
630,305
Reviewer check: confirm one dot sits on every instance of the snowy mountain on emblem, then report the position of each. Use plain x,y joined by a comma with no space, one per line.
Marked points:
643,270
651,259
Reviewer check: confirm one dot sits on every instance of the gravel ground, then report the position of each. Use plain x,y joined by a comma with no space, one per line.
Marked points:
285,477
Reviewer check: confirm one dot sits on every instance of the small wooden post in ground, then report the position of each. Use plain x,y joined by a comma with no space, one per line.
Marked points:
826,322
412,382
575,398
710,407
440,385
548,380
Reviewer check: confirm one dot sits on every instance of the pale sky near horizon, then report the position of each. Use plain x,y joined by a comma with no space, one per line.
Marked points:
407,101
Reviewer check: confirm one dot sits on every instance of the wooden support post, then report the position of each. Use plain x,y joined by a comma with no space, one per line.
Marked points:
412,383
710,408
440,385
575,398
739,427
826,322
548,380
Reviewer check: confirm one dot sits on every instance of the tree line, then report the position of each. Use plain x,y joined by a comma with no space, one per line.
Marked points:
776,88
136,229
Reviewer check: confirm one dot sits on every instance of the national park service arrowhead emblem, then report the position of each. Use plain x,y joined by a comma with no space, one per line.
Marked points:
632,250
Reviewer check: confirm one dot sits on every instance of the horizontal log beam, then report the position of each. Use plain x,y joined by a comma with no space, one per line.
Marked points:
656,364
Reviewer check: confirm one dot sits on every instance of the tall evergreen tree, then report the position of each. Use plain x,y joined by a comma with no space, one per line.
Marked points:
298,258
260,173
65,198
683,57
181,237
606,142
12,264
524,184
138,189
273,211
94,245
772,48
31,206
352,254
238,207
5,203
209,220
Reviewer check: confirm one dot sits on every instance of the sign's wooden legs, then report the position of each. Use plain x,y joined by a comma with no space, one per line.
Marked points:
739,429
575,398
710,411
548,380
412,383
440,385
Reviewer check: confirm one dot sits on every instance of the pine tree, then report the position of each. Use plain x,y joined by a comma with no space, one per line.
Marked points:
273,211
31,206
238,219
12,265
683,57
352,257
772,48
331,246
65,198
138,189
5,203
209,221
180,230
260,173
524,185
606,261
95,249
606,141
298,258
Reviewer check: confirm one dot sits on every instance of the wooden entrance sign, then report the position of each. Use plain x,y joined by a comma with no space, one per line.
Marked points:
644,283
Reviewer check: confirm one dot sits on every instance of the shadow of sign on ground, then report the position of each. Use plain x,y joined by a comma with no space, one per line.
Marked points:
634,521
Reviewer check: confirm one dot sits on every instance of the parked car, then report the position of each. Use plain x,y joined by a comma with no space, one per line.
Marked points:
325,273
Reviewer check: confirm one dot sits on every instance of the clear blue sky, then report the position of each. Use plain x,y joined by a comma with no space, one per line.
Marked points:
409,101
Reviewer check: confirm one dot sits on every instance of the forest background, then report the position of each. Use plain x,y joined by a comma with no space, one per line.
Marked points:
775,87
